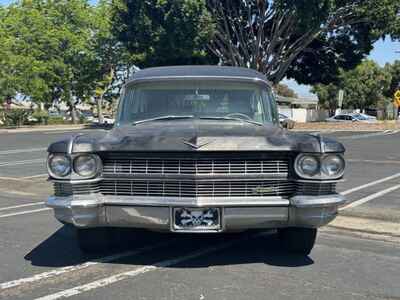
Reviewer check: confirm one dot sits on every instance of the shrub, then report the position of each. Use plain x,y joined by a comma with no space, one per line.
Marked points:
42,116
56,120
15,117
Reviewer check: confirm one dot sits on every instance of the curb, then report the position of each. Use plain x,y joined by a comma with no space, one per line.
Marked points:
39,129
367,226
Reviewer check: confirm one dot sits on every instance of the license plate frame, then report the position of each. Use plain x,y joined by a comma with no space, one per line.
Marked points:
196,219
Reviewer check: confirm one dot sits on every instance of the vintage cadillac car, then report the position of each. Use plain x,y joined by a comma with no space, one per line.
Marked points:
196,150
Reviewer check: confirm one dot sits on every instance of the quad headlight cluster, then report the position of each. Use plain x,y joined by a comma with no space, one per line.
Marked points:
61,166
323,167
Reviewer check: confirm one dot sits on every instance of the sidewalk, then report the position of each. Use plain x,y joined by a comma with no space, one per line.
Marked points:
355,126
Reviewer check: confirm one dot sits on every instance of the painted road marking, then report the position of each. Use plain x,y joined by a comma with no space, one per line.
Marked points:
139,271
63,270
14,179
25,212
371,197
15,151
18,193
373,161
23,162
36,176
370,184
20,206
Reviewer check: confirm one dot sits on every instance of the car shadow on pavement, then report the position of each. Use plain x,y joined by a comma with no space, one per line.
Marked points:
61,249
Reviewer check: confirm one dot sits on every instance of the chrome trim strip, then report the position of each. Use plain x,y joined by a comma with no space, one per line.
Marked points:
78,181
221,78
317,201
195,202
191,178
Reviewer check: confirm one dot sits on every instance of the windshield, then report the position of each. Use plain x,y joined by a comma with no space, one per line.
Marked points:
198,99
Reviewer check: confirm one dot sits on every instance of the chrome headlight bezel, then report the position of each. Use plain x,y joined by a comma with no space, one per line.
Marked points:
97,169
50,168
322,172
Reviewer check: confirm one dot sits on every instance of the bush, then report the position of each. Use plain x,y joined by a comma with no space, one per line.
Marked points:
15,117
42,116
56,121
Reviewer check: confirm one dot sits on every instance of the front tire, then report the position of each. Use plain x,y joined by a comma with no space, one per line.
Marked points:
93,240
298,240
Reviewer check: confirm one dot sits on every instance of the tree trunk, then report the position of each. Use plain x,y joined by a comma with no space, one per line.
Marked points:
72,109
100,109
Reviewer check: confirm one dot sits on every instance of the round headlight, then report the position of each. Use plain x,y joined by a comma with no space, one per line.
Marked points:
86,165
307,166
333,165
59,165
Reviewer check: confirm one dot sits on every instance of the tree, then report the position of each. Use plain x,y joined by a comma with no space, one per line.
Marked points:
364,87
48,65
327,96
308,40
114,64
394,71
284,91
163,32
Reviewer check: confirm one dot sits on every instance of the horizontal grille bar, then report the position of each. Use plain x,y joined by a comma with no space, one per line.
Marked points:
67,189
315,189
195,189
121,166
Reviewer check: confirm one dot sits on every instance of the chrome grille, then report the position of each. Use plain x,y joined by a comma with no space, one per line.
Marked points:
193,189
315,189
122,166
68,189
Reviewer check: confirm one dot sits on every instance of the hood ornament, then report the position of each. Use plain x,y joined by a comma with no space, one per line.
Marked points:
193,143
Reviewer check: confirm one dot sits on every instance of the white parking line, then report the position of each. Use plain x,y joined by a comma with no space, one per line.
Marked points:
20,206
24,212
139,271
371,197
13,179
15,151
36,176
373,161
370,184
63,270
23,162
18,193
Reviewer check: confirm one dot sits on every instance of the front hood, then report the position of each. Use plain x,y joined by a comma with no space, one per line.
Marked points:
201,135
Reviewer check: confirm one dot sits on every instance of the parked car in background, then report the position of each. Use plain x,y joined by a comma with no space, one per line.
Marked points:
107,120
196,150
286,122
87,115
352,117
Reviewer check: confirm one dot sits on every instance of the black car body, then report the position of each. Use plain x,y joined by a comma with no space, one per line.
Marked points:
197,149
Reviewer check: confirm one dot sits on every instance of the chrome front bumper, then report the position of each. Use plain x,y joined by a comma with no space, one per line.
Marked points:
154,213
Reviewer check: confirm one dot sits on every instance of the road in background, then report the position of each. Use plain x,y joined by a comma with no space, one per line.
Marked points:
39,257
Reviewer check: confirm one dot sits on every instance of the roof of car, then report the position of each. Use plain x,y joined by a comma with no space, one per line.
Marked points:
198,71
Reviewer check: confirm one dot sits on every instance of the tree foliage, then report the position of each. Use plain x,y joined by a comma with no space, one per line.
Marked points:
368,85
164,32
52,51
284,91
309,40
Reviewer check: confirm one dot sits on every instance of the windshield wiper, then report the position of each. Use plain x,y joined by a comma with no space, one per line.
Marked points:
169,117
233,119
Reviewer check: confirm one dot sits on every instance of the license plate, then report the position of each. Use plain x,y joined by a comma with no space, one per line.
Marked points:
196,219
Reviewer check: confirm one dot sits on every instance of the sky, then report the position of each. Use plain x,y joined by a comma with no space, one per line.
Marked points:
384,52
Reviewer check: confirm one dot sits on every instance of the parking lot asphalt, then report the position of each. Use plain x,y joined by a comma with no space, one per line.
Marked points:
39,257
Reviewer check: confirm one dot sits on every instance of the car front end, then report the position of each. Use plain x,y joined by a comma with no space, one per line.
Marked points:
197,174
